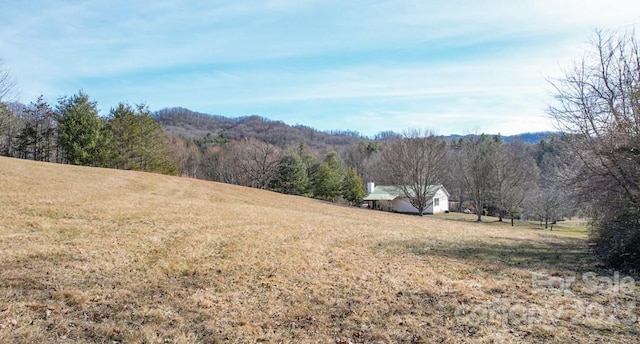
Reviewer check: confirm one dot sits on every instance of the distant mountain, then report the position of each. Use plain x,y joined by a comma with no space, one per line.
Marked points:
186,123
183,122
525,137
532,137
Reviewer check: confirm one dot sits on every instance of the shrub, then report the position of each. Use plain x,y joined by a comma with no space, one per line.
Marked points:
616,234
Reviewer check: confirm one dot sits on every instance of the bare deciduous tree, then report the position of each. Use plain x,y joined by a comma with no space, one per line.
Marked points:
598,103
249,162
8,84
548,199
260,163
598,107
413,163
515,175
186,155
478,160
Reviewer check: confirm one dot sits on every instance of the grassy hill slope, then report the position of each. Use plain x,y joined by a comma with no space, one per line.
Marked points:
98,255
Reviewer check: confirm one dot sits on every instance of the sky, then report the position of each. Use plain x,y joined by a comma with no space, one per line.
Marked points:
454,67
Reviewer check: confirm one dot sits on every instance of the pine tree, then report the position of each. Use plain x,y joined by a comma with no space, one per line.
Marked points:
138,140
126,136
36,140
327,183
353,189
291,177
82,134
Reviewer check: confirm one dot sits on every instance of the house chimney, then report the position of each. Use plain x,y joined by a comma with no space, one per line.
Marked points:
370,187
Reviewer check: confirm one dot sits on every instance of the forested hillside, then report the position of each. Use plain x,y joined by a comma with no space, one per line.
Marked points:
183,122
189,124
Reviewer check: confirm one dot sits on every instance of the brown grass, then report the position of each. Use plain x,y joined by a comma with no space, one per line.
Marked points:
97,255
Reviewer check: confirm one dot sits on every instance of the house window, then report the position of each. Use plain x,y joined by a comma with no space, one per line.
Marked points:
436,202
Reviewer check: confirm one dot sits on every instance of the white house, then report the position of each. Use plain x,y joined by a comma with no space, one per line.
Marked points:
392,198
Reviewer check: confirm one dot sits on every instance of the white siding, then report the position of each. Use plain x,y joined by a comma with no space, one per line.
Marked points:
402,205
443,203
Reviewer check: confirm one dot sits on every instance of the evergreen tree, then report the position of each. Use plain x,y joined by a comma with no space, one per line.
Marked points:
291,177
82,134
327,183
124,127
36,139
353,187
138,140
310,164
26,140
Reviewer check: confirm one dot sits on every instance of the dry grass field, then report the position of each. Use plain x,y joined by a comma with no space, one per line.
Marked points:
105,256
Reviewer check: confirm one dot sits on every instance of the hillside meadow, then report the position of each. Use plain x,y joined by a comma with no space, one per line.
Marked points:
106,256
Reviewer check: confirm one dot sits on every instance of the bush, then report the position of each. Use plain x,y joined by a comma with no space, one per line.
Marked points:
616,234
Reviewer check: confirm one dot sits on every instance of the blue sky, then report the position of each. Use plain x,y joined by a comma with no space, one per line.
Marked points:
368,66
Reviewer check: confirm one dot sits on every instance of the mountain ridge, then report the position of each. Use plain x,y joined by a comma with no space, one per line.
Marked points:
183,122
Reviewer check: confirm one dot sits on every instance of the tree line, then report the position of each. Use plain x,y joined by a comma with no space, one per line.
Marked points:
484,173
295,169
72,132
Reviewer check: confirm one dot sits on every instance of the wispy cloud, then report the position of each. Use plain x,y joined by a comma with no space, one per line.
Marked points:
451,66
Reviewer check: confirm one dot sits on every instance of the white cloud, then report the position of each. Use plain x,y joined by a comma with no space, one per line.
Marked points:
395,62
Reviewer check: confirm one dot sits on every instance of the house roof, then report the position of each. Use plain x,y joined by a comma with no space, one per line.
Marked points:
389,193
383,193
